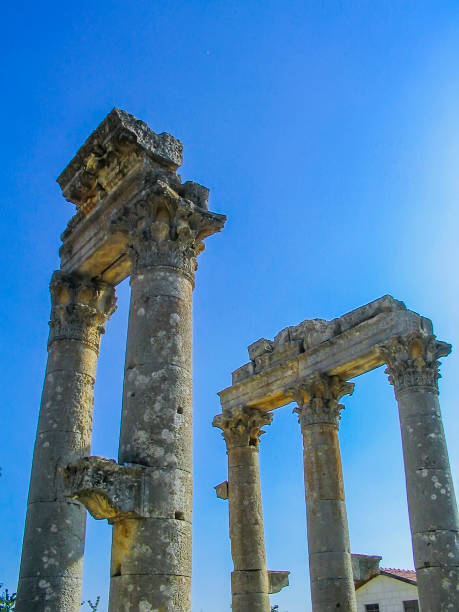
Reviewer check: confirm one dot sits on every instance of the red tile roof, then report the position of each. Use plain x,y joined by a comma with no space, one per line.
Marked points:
400,573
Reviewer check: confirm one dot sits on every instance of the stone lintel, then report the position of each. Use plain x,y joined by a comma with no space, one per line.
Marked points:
222,490
351,350
277,579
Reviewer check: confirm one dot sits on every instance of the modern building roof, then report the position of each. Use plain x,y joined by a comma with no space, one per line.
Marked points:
401,574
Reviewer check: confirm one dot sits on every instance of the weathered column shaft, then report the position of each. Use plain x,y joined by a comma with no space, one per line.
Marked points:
330,564
413,370
249,580
157,432
52,555
151,554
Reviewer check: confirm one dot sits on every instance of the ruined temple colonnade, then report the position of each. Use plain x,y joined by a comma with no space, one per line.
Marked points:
134,218
311,364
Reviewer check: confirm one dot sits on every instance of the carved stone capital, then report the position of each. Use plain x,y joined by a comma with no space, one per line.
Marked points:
166,229
80,308
318,399
242,426
412,361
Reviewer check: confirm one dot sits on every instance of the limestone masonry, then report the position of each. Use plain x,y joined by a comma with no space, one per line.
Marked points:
136,218
310,364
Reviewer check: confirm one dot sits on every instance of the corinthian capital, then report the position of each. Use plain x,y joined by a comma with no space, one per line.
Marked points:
166,228
242,426
80,308
412,361
318,397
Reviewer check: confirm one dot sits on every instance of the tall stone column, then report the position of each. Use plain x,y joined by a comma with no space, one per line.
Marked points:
151,552
52,554
413,371
330,565
249,580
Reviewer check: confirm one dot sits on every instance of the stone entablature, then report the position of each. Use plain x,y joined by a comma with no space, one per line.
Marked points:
123,166
346,346
311,364
295,340
134,217
119,144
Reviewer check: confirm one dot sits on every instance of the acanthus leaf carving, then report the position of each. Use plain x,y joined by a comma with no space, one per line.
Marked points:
412,361
101,171
80,308
318,399
242,427
165,229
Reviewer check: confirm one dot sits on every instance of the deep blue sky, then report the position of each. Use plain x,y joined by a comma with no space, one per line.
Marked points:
328,132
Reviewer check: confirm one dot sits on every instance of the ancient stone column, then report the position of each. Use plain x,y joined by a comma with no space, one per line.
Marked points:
52,554
413,371
151,552
330,563
249,581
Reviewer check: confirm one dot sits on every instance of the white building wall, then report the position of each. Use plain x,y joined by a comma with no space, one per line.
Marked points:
389,593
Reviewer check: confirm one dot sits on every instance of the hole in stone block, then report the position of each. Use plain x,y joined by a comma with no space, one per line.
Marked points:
180,410
117,570
179,515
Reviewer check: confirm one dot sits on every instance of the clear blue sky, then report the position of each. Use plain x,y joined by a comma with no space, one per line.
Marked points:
328,132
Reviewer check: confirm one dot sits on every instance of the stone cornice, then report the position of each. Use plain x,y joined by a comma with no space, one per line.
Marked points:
349,354
412,361
165,229
80,308
242,426
317,399
133,210
119,144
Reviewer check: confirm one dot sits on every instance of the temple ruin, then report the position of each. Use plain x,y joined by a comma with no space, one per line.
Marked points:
311,364
136,218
